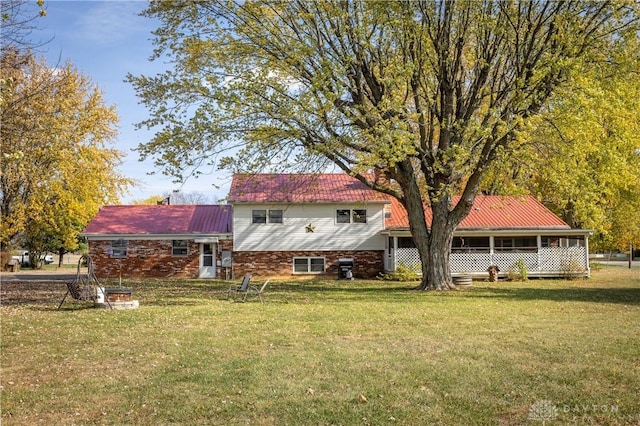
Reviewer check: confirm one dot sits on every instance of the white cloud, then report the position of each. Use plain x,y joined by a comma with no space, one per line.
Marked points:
113,22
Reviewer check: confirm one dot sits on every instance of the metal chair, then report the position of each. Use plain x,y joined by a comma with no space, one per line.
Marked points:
256,291
241,289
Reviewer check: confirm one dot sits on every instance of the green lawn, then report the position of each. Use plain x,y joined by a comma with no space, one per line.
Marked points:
328,352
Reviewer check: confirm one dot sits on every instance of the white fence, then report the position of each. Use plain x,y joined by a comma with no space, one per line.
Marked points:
556,261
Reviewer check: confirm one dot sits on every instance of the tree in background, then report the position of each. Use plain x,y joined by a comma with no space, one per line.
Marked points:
176,198
582,157
18,20
426,93
58,167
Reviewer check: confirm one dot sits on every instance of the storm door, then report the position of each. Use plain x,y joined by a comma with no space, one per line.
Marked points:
207,260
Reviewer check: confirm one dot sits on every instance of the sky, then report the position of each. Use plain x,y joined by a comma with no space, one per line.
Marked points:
105,40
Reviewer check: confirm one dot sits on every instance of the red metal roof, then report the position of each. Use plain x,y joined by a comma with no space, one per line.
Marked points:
301,188
147,219
493,212
490,212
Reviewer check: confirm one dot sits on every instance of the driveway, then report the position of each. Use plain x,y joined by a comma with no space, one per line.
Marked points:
31,275
623,263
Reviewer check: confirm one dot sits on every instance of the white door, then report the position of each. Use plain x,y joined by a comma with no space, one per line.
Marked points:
207,260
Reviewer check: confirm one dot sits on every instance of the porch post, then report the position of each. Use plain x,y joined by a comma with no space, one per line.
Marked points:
586,255
387,254
392,254
491,250
539,244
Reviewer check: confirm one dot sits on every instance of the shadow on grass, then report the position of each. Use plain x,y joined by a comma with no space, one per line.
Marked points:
358,287
32,293
626,296
47,295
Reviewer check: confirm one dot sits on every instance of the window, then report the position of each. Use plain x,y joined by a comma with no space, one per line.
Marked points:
573,241
470,245
351,216
259,216
406,242
119,248
359,216
343,216
308,265
516,244
275,216
264,216
550,241
179,247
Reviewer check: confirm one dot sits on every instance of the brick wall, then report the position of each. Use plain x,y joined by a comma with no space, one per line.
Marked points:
148,259
153,259
367,264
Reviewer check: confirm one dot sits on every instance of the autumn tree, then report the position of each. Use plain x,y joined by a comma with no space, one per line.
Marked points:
19,19
58,166
581,157
427,93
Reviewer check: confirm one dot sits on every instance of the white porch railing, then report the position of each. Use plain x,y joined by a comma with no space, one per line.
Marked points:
553,261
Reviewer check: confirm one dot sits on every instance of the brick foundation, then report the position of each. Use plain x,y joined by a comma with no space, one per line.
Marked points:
367,264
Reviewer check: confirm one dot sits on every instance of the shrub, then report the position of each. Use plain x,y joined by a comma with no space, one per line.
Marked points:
403,273
572,270
518,271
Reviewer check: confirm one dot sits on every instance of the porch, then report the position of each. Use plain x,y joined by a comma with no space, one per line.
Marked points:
542,255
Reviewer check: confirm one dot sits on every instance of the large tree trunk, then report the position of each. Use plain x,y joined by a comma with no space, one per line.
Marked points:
413,204
433,244
436,269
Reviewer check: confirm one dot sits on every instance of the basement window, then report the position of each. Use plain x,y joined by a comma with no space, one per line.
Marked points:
308,265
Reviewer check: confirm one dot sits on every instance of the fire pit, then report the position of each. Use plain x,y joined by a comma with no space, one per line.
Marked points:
115,298
117,294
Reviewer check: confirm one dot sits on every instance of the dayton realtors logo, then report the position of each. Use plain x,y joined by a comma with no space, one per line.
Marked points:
542,411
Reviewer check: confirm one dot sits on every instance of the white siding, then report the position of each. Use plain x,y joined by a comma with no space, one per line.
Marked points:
292,234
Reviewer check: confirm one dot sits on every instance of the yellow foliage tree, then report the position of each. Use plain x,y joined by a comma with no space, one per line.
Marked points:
582,156
58,166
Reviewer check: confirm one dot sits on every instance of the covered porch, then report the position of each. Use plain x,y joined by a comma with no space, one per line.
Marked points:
544,253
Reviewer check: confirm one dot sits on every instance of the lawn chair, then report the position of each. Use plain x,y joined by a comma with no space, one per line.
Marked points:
241,289
256,291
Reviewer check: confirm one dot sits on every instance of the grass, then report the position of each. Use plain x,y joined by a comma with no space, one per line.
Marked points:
327,352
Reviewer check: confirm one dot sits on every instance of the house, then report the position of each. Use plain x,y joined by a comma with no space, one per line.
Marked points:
301,224
500,231
286,224
161,241
304,224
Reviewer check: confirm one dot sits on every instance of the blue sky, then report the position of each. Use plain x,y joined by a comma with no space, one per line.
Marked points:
105,40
